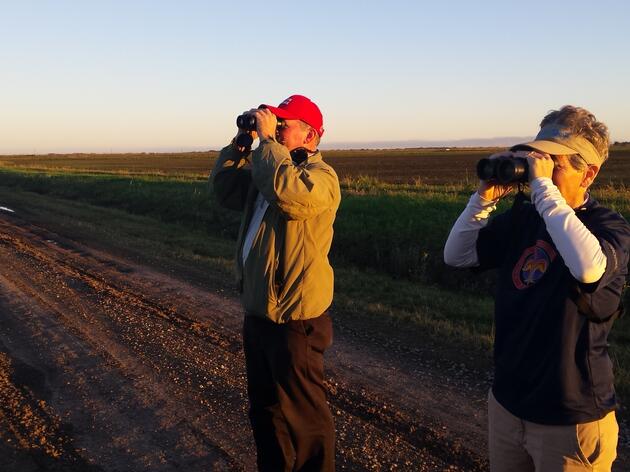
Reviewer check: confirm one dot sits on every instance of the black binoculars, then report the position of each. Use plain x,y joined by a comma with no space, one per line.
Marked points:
246,122
504,169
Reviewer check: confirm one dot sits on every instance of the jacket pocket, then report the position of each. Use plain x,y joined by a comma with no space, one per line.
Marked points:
277,279
277,274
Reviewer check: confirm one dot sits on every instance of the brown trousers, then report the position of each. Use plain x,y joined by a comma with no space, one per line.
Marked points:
292,424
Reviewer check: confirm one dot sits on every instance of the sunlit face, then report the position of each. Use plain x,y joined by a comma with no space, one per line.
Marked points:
291,133
569,180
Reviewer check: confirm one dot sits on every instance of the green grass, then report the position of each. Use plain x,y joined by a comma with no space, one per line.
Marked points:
172,200
377,223
434,313
398,229
387,249
428,313
163,245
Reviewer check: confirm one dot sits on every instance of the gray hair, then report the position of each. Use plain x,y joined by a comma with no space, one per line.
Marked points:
577,162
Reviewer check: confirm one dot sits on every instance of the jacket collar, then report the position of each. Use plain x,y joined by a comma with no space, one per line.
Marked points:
589,202
312,158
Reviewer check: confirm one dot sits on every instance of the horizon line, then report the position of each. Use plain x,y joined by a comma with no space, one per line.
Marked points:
506,141
334,145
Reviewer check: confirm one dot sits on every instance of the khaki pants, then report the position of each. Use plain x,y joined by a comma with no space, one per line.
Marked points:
516,445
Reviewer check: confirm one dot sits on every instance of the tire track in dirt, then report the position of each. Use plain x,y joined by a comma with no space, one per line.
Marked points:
131,338
146,371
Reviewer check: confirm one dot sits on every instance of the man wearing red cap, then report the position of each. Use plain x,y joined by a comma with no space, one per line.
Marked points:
289,197
562,262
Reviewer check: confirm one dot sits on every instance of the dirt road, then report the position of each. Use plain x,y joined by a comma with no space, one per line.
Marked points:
110,365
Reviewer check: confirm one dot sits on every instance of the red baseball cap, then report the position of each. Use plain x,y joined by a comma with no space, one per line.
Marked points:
298,107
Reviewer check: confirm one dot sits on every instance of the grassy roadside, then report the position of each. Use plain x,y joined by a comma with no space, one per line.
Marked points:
387,250
422,313
399,232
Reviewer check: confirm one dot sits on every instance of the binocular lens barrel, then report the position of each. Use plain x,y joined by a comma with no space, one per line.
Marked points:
246,122
505,170
486,169
513,170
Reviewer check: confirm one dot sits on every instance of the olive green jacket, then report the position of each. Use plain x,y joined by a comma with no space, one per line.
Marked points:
286,275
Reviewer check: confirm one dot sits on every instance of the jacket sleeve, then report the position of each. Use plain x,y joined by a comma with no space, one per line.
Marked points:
460,249
579,248
230,179
299,192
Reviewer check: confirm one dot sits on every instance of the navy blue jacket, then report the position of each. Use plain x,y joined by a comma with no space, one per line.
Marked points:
551,362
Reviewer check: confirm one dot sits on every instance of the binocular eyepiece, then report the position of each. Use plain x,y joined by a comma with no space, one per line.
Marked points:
504,169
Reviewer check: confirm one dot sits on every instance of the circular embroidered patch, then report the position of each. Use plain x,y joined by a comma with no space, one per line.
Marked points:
533,264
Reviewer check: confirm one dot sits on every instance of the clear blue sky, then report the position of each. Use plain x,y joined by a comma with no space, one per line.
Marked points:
86,75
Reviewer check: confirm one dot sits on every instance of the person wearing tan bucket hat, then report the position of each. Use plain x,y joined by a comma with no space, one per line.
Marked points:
289,198
561,263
